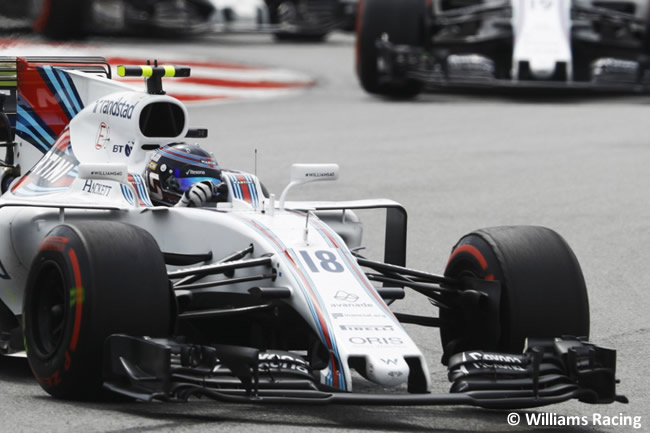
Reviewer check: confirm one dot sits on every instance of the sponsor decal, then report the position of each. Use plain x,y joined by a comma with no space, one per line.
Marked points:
273,361
345,296
107,173
491,361
395,374
102,136
192,172
344,315
152,165
156,156
96,188
52,167
478,356
4,275
392,361
119,108
367,327
321,174
126,149
376,341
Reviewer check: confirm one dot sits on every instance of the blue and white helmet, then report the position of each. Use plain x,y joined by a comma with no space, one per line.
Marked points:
174,168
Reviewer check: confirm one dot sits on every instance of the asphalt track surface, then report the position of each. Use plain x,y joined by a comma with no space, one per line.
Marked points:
458,162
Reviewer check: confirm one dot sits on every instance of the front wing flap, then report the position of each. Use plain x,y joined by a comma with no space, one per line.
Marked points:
550,371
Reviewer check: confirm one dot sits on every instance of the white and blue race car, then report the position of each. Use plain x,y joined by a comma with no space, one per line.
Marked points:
405,47
251,299
287,19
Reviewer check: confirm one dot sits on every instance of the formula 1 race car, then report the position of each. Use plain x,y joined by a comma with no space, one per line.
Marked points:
69,19
250,299
404,47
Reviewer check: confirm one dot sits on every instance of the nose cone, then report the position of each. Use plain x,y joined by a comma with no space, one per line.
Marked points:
388,371
543,68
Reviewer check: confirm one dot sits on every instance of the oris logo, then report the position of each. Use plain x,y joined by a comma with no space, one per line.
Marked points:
376,341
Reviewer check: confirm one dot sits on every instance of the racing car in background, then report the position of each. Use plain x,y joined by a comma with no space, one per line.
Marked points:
404,47
287,19
252,298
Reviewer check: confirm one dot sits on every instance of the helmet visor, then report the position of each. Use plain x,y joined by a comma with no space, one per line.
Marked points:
186,183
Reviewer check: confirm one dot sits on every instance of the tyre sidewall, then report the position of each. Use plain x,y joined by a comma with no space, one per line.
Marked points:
404,21
64,248
543,292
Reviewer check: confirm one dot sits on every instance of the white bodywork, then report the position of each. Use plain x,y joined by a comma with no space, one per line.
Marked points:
542,30
329,290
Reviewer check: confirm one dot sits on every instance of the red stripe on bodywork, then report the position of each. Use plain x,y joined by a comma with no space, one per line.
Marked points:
38,95
245,188
321,319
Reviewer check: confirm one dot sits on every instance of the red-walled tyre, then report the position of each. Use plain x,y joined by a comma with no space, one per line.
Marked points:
88,281
60,19
543,292
404,22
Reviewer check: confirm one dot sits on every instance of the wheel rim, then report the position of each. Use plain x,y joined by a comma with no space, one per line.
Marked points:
50,311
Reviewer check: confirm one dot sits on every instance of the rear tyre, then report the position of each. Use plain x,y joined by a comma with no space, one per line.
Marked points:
60,19
405,23
89,281
543,292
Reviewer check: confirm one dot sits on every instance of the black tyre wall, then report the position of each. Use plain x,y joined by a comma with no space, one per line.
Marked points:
62,19
543,289
405,22
112,279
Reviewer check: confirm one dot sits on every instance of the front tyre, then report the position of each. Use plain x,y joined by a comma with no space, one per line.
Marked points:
543,292
88,281
60,19
403,22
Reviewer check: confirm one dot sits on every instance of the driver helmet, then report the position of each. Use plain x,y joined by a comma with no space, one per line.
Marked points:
174,168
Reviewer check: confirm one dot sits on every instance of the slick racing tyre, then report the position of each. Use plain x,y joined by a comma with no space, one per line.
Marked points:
543,292
402,22
60,19
88,281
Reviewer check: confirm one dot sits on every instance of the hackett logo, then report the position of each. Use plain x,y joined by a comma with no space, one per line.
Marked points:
119,108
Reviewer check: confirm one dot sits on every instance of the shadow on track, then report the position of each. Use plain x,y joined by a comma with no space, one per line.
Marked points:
15,370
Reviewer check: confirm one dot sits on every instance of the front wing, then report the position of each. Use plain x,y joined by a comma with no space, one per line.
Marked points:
550,371
401,63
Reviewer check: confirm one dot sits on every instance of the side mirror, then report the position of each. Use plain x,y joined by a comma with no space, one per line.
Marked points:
303,173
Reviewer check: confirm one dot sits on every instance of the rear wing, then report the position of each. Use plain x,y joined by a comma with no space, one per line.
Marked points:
38,98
